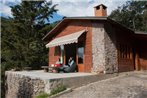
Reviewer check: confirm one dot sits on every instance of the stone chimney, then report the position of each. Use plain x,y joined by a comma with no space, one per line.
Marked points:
100,10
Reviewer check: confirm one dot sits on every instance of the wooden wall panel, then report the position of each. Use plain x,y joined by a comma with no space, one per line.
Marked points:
125,50
142,52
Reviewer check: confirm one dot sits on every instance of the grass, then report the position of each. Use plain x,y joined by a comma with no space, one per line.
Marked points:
42,95
59,89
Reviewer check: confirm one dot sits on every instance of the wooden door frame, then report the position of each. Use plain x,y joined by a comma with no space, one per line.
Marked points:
76,45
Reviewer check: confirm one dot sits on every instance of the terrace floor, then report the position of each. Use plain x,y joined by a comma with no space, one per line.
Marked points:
72,80
46,75
41,81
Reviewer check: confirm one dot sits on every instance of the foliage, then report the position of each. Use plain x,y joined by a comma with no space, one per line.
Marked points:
42,95
21,36
133,14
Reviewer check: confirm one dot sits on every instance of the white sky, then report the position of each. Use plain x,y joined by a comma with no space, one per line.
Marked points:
84,7
70,8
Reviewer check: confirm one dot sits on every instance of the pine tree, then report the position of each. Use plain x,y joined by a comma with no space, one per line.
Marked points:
21,36
30,17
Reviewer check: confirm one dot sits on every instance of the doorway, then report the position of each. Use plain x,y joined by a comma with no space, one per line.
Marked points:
70,51
77,52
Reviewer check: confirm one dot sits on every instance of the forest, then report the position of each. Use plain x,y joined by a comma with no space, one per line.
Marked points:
21,35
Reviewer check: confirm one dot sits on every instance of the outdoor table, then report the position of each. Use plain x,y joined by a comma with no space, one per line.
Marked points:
53,69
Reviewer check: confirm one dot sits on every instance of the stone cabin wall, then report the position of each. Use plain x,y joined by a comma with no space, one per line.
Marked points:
111,54
98,49
101,45
104,52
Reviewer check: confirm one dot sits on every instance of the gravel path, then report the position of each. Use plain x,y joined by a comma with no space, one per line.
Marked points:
123,86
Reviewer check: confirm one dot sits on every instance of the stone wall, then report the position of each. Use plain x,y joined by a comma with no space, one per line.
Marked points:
111,58
27,84
98,48
104,52
22,86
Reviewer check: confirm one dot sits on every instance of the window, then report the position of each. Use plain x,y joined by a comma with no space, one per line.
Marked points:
59,51
80,54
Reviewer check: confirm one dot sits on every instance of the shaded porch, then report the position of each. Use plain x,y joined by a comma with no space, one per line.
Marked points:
64,47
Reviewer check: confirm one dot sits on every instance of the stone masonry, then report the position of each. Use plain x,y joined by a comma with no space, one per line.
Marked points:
21,86
111,64
27,84
104,52
98,48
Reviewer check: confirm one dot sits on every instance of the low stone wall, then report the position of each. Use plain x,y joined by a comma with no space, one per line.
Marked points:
19,86
27,86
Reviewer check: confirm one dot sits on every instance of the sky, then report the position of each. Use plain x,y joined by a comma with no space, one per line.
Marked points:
68,8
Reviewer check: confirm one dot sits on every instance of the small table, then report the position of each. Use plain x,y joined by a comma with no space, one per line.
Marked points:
50,69
53,69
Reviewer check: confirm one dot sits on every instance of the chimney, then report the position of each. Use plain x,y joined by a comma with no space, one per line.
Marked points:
100,10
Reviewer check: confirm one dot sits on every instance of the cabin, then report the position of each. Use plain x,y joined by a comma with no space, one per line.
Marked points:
97,44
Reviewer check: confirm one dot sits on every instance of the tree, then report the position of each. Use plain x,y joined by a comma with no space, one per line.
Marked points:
30,18
133,14
21,36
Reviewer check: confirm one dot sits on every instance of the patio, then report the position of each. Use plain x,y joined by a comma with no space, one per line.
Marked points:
33,82
46,75
27,84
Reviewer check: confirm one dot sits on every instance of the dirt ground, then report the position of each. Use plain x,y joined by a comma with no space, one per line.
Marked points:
126,85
